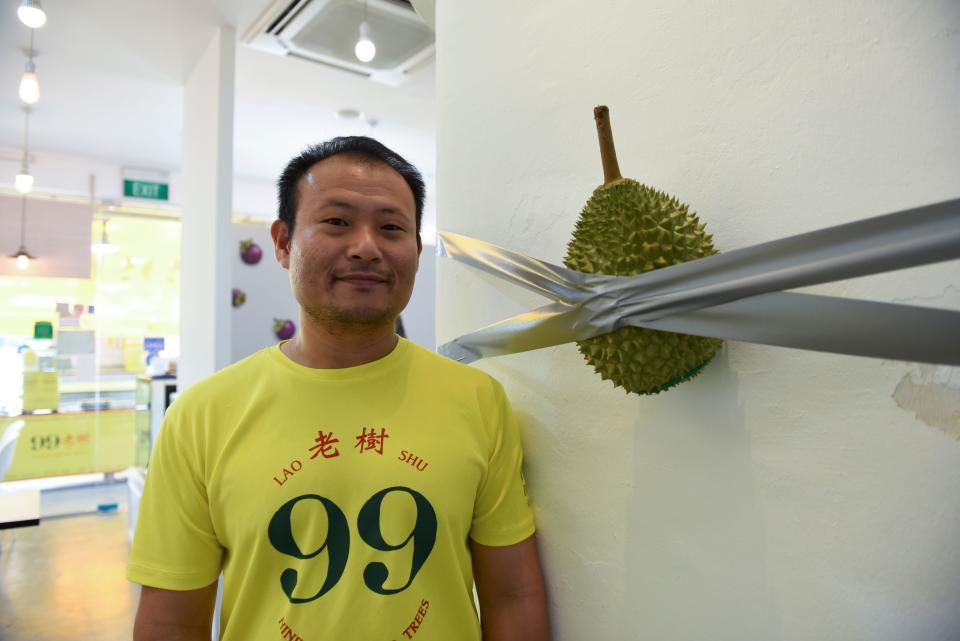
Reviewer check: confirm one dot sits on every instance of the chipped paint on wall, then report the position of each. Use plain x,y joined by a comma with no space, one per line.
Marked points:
932,393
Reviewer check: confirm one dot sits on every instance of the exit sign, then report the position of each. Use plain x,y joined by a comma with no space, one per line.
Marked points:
145,189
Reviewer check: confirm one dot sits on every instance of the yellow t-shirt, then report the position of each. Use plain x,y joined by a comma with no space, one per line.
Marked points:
337,502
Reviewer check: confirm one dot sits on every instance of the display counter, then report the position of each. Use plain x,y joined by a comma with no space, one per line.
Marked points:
65,443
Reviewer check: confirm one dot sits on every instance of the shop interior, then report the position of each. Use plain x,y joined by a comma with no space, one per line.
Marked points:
91,285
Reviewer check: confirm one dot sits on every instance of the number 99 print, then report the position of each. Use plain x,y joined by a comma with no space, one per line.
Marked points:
423,536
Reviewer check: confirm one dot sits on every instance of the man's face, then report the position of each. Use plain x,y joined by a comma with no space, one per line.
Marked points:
355,249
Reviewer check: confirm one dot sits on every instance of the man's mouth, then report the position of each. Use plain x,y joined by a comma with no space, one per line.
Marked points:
362,278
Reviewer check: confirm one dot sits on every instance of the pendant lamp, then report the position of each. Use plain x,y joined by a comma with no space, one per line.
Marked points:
23,257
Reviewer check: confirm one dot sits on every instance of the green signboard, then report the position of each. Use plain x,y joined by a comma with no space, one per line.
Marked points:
145,189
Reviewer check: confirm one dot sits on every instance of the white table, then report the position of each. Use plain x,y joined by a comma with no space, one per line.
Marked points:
19,508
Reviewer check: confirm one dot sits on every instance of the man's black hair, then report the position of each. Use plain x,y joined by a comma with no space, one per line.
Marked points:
287,186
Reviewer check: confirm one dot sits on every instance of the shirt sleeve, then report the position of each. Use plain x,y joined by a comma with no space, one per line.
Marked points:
175,546
502,514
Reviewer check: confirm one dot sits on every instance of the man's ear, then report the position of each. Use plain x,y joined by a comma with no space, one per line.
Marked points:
281,242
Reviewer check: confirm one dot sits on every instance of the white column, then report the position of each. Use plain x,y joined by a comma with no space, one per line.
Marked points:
207,170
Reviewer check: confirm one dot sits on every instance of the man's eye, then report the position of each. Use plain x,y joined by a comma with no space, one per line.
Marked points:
392,227
340,222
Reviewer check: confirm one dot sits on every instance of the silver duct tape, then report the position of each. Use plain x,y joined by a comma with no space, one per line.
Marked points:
737,295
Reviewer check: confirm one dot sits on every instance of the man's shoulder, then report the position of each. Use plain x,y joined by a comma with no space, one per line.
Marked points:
229,382
448,371
427,358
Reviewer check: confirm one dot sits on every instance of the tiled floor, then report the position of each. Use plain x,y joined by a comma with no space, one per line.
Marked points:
64,580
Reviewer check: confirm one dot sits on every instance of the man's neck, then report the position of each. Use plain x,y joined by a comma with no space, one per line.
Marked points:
324,347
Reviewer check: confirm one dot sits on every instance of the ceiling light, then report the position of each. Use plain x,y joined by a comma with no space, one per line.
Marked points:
347,114
32,14
103,247
24,181
29,89
22,256
365,48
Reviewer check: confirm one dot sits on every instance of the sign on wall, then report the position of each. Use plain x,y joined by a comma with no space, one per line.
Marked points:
147,184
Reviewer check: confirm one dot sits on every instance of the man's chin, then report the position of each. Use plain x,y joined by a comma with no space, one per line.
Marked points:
357,317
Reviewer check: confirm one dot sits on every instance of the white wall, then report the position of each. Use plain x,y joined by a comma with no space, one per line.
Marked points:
267,286
419,317
782,494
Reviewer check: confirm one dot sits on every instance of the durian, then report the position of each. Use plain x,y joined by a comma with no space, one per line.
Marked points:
628,228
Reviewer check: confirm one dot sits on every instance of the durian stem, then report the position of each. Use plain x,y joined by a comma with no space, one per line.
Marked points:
608,153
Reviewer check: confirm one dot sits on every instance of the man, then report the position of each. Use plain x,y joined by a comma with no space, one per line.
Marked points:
349,484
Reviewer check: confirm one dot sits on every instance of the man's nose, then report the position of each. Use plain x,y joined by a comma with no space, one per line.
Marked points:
363,244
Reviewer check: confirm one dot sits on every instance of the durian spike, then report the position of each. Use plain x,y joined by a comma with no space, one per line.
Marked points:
608,153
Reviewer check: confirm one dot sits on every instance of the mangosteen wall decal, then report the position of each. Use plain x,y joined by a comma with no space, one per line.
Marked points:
640,261
250,252
283,328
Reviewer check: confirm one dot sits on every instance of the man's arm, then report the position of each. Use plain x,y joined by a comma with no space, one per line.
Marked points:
168,615
513,599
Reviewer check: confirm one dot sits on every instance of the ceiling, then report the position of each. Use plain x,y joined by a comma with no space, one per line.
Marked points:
112,74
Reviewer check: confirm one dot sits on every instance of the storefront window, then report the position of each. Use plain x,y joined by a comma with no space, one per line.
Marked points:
72,349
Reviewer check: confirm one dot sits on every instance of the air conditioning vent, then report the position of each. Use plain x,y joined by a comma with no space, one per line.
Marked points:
325,31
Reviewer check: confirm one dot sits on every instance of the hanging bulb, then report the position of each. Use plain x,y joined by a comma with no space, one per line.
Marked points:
365,48
103,247
29,89
31,14
22,257
24,181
